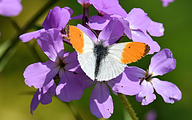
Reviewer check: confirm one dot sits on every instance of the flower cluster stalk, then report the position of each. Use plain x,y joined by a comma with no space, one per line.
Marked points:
127,105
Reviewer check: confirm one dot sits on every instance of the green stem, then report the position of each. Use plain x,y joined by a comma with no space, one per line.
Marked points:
127,105
74,111
10,45
15,25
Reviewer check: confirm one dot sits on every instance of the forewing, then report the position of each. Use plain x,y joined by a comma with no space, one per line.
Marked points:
81,42
128,52
84,46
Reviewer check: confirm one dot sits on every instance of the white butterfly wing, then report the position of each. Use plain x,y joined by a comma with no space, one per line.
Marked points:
128,52
84,46
119,55
109,68
87,63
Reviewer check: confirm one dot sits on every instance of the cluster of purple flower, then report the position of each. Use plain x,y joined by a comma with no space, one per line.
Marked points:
113,22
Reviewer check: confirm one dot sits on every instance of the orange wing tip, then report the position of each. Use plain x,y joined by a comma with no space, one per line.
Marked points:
133,51
76,38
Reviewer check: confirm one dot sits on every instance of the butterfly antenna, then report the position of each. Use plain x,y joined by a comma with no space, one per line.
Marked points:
120,37
96,32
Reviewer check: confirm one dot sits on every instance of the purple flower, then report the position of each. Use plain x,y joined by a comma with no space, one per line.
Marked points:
135,25
108,7
104,7
140,24
139,20
109,11
166,2
99,23
161,63
57,18
43,95
101,103
10,8
60,64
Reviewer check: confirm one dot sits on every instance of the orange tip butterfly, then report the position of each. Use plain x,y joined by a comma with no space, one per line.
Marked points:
100,62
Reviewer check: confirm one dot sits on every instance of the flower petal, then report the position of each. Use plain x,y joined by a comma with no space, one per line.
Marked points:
138,19
162,62
166,2
112,32
40,74
31,35
43,95
51,42
69,87
57,18
78,17
156,29
101,103
135,71
108,7
127,83
146,95
47,92
35,101
87,32
71,62
69,10
83,78
97,22
169,91
127,29
10,7
139,36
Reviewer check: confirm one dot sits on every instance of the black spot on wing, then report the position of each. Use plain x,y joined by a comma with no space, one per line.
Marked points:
147,49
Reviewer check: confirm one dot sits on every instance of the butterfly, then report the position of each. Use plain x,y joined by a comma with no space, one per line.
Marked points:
101,62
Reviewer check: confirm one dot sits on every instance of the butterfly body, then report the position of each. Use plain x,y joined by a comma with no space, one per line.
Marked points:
100,51
100,62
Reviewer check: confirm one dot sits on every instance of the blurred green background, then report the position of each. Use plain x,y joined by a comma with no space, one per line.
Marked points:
15,96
